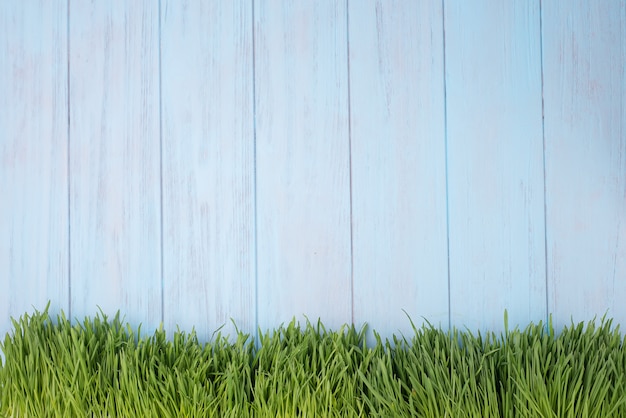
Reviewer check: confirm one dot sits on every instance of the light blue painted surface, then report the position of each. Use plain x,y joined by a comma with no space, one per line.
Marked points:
208,166
495,162
398,164
33,158
585,110
264,160
114,160
302,162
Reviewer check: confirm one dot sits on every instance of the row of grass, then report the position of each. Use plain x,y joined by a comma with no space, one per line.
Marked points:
103,368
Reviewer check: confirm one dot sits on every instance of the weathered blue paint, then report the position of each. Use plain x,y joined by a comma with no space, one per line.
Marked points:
33,158
192,162
208,166
302,162
398,164
585,128
495,162
114,160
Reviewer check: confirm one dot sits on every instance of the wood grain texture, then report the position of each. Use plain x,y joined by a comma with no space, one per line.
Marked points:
33,158
114,160
398,164
208,166
495,163
585,131
302,148
342,155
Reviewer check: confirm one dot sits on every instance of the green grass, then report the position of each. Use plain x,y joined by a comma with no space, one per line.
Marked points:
104,368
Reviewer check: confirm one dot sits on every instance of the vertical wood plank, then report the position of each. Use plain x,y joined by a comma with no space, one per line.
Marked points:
33,158
495,163
208,166
114,160
303,190
398,164
585,130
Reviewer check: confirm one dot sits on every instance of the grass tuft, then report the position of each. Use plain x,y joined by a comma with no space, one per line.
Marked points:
102,367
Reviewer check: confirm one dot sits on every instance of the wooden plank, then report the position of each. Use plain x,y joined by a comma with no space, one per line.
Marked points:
398,164
495,163
208,166
33,158
302,150
114,160
585,131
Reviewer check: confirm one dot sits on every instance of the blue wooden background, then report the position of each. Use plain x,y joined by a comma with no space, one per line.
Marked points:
188,162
